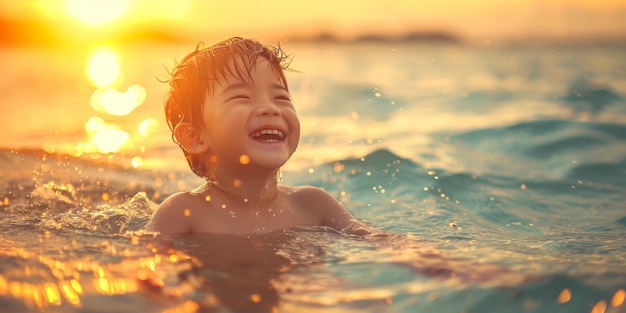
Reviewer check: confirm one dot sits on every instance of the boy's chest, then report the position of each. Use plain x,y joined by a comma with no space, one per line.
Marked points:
229,218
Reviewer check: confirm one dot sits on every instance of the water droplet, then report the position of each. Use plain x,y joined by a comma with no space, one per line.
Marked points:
338,167
600,307
618,298
565,296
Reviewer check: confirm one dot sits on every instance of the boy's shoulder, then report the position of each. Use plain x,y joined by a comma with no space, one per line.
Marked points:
328,209
173,214
303,193
310,197
180,201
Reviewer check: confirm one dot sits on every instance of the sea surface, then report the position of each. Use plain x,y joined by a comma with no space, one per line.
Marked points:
497,172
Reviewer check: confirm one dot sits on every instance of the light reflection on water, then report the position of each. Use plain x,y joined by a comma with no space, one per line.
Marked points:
104,71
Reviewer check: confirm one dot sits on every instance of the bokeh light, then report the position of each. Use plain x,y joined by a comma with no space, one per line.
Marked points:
136,161
117,103
94,125
103,67
110,140
103,137
148,126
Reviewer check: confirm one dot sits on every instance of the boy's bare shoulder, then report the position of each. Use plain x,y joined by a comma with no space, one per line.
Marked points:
315,199
329,210
309,194
173,214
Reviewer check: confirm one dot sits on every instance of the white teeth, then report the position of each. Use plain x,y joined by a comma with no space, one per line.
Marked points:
269,132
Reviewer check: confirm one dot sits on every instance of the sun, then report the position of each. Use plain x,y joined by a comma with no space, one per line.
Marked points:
97,12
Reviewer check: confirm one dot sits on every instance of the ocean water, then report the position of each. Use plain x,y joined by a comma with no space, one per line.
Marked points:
498,172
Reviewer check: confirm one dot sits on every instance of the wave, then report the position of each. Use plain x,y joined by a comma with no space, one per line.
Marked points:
586,96
383,188
609,173
538,129
555,149
131,215
74,193
561,146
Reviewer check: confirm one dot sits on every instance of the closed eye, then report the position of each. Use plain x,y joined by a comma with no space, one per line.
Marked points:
239,97
287,98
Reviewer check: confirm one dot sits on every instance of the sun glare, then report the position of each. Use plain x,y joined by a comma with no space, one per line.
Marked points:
117,103
103,137
103,67
96,12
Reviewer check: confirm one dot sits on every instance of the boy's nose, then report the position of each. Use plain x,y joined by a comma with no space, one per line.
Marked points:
268,108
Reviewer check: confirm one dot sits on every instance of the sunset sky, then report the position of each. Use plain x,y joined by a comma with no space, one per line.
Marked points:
472,19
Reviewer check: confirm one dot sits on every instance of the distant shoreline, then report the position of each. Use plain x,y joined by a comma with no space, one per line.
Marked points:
415,36
34,33
448,38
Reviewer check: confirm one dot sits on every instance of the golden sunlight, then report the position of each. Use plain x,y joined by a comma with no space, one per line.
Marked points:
136,161
117,103
104,138
110,140
96,12
103,67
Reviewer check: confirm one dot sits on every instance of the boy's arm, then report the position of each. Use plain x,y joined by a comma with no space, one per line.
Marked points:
172,216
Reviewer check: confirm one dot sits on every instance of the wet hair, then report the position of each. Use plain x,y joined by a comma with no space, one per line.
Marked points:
195,76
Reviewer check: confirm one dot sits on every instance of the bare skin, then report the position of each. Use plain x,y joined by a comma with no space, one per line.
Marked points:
251,129
211,210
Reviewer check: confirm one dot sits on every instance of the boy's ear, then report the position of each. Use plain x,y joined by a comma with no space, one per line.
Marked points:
189,139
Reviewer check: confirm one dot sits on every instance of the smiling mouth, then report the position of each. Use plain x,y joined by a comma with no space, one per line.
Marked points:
268,135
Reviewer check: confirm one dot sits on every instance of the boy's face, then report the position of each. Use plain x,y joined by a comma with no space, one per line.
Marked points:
252,121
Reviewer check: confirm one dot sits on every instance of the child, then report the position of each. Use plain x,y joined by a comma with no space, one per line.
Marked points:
230,111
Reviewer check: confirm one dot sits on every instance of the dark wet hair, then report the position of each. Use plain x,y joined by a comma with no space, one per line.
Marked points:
195,76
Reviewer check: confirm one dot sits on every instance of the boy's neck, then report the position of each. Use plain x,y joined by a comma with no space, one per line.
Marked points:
249,189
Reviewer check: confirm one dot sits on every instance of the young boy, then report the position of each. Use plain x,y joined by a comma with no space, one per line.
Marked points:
230,111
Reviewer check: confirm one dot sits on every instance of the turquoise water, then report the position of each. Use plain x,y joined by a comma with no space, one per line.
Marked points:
498,172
